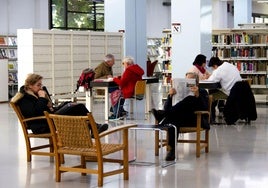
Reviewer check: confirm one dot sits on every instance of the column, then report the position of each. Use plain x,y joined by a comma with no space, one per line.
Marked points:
195,19
242,12
130,16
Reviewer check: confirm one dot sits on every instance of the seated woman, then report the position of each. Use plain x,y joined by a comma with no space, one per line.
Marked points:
199,67
182,113
33,100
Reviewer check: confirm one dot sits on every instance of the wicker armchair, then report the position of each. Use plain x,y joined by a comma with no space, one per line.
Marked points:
32,149
72,136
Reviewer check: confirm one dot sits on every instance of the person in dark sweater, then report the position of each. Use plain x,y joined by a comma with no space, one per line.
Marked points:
33,100
182,113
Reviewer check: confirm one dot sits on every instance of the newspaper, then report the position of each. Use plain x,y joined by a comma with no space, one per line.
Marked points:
182,87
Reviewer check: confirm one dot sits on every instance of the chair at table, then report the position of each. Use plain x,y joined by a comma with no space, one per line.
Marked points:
72,136
32,149
199,141
139,94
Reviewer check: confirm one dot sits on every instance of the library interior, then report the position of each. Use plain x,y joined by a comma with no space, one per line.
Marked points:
176,93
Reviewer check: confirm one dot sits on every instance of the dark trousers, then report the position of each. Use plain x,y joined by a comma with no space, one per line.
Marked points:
181,114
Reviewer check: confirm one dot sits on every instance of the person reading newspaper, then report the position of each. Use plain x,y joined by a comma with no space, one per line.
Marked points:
187,98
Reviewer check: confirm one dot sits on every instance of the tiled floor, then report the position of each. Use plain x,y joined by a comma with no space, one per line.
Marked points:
238,157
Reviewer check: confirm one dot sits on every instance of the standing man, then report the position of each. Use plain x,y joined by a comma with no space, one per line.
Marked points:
104,69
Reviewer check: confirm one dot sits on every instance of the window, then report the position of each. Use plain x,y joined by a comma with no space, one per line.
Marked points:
77,14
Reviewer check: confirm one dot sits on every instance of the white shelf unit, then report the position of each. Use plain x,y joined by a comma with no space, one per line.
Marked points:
4,80
60,56
8,50
166,56
248,50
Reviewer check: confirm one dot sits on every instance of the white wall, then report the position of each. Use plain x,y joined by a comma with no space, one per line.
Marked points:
21,14
158,18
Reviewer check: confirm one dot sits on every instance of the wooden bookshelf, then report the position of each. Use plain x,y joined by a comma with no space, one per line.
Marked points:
4,80
166,56
247,49
8,51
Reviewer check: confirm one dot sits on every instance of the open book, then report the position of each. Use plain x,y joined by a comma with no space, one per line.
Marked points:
182,86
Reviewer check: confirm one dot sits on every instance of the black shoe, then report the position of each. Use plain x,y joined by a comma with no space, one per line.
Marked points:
158,114
170,156
123,113
102,127
113,117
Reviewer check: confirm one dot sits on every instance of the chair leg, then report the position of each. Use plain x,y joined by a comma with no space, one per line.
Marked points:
198,135
51,149
156,143
57,168
207,141
28,150
83,164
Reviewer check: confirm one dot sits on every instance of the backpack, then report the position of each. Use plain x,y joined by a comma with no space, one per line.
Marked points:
85,78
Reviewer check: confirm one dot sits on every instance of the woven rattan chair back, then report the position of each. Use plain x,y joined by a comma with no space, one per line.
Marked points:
72,131
72,135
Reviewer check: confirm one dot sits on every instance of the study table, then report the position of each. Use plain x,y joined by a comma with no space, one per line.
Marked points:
209,84
105,84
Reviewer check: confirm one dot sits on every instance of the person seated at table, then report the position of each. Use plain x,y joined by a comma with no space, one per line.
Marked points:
198,67
182,113
227,75
132,73
33,100
105,68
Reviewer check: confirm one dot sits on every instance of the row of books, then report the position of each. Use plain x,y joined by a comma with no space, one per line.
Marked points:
249,66
12,77
167,40
240,38
258,79
153,51
8,53
8,41
154,42
250,52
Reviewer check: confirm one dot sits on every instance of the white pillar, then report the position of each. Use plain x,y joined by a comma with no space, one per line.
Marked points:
195,36
242,12
130,16
219,13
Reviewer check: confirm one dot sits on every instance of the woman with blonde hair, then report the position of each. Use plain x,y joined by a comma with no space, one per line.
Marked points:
33,100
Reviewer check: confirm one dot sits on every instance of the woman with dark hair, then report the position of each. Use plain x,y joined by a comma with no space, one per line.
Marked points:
198,67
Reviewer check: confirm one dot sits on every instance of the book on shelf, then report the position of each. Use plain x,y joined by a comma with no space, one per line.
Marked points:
12,41
4,53
12,77
2,40
12,53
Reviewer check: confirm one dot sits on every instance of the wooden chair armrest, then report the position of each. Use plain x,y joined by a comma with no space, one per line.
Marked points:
116,129
34,118
201,112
